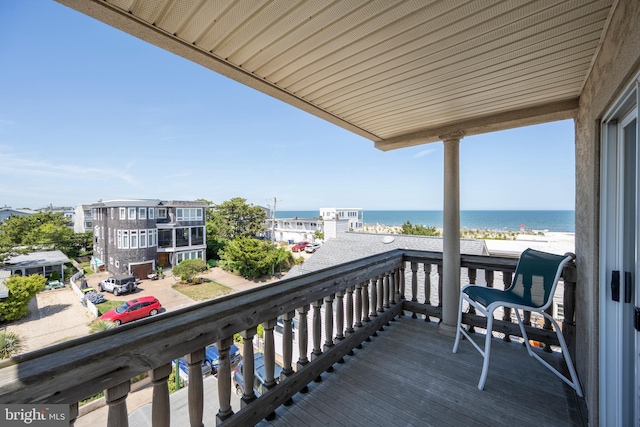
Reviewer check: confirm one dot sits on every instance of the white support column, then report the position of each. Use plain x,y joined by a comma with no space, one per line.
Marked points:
451,230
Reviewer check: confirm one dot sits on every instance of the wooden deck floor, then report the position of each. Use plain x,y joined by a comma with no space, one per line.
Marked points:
408,376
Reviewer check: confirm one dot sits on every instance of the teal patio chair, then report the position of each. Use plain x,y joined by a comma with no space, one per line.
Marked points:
532,289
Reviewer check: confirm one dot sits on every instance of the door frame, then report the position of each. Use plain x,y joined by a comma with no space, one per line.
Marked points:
612,346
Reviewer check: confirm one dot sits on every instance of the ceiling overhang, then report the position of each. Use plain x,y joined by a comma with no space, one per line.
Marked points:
396,73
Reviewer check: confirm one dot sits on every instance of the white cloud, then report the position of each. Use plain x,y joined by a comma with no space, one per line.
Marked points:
423,153
25,164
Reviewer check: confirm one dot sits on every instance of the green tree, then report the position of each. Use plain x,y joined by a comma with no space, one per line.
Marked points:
188,269
215,243
10,344
21,290
253,258
418,230
235,218
44,230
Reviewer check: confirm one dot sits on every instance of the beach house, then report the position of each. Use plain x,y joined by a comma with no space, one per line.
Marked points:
135,236
400,74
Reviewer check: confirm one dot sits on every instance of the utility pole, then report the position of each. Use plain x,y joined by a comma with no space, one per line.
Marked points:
273,221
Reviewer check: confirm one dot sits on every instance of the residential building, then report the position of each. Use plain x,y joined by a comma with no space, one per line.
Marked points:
41,262
331,222
7,212
402,74
83,219
135,236
355,216
294,230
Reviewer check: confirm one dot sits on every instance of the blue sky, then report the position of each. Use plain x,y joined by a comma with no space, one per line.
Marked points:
88,112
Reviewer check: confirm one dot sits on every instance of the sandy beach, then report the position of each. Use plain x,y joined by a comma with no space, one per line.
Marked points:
548,241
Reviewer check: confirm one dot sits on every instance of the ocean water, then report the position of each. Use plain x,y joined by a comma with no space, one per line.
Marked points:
563,221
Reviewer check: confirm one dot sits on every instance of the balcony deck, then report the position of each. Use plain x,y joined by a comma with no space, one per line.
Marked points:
407,375
404,374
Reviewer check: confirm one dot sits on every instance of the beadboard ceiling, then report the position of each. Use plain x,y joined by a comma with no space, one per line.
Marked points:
399,73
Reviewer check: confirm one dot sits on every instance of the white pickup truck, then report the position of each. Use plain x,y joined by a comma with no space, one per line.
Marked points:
119,284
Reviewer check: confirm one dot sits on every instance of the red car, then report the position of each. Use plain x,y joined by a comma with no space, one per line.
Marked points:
299,247
133,310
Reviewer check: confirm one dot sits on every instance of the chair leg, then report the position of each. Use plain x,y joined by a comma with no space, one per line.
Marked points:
523,331
574,383
458,326
487,352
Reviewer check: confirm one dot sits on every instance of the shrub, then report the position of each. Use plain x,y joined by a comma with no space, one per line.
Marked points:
21,290
10,344
188,268
91,398
418,230
54,276
100,326
172,381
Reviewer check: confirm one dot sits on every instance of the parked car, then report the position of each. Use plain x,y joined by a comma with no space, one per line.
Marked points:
211,356
184,369
133,310
312,247
53,284
260,377
299,247
119,284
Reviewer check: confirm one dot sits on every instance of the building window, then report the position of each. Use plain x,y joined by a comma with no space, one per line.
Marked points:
181,256
134,239
117,264
132,213
152,212
197,235
125,239
152,238
182,237
162,213
123,213
110,260
142,213
165,239
143,238
189,214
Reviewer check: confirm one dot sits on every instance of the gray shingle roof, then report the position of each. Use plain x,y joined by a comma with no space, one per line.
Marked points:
37,259
352,246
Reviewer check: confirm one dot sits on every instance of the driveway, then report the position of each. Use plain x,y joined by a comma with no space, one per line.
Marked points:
161,289
54,316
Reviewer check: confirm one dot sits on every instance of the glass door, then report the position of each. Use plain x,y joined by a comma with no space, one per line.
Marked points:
620,246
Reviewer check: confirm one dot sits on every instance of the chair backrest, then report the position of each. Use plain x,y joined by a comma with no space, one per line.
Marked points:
537,275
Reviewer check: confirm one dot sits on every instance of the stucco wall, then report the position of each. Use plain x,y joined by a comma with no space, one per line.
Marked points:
617,62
